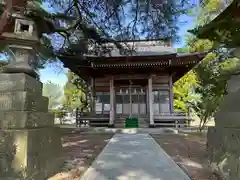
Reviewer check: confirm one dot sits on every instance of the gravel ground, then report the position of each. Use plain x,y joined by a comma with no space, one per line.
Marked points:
79,151
189,152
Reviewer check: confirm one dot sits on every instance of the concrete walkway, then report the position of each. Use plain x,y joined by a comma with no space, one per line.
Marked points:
134,157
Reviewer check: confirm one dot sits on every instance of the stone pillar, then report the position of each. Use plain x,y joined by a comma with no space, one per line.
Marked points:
112,101
150,102
223,139
30,146
171,94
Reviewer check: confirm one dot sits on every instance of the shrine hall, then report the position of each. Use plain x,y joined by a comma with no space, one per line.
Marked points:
138,85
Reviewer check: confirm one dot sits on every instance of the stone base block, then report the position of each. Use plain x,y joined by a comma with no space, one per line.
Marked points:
32,154
25,119
230,102
233,84
23,101
227,119
19,82
223,150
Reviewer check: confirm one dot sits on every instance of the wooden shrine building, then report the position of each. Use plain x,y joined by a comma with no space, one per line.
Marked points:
139,85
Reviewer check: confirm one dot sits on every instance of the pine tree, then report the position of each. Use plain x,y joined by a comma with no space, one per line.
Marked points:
74,21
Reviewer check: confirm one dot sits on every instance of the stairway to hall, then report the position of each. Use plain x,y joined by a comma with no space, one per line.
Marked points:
120,122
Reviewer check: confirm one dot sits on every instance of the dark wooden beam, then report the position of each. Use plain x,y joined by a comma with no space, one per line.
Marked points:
179,65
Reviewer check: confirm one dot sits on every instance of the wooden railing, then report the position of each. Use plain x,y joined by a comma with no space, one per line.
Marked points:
86,119
176,119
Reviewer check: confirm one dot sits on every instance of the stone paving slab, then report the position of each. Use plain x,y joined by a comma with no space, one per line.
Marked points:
134,157
119,130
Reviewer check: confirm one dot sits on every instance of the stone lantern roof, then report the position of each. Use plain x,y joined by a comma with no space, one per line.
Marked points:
29,11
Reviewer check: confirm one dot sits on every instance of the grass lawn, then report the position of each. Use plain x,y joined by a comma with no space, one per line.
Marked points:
189,152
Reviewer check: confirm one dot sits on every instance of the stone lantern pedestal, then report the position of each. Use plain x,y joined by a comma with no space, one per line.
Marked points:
30,147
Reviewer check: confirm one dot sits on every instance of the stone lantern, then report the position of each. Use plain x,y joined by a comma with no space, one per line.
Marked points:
30,147
21,36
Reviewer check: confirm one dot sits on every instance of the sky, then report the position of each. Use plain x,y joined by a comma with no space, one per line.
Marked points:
57,73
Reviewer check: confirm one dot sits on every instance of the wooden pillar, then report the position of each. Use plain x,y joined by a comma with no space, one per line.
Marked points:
112,109
130,98
147,109
171,94
87,101
150,102
93,95
88,95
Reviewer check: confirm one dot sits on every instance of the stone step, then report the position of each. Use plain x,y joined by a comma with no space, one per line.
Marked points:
122,124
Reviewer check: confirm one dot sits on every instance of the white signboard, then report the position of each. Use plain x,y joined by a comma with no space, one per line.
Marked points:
98,108
119,108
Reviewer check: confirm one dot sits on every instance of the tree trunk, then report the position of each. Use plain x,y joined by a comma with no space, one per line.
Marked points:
200,123
203,123
61,120
200,126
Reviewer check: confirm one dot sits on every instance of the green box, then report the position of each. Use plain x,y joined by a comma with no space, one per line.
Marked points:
131,123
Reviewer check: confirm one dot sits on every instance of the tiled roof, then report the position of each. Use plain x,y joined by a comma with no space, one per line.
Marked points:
141,48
